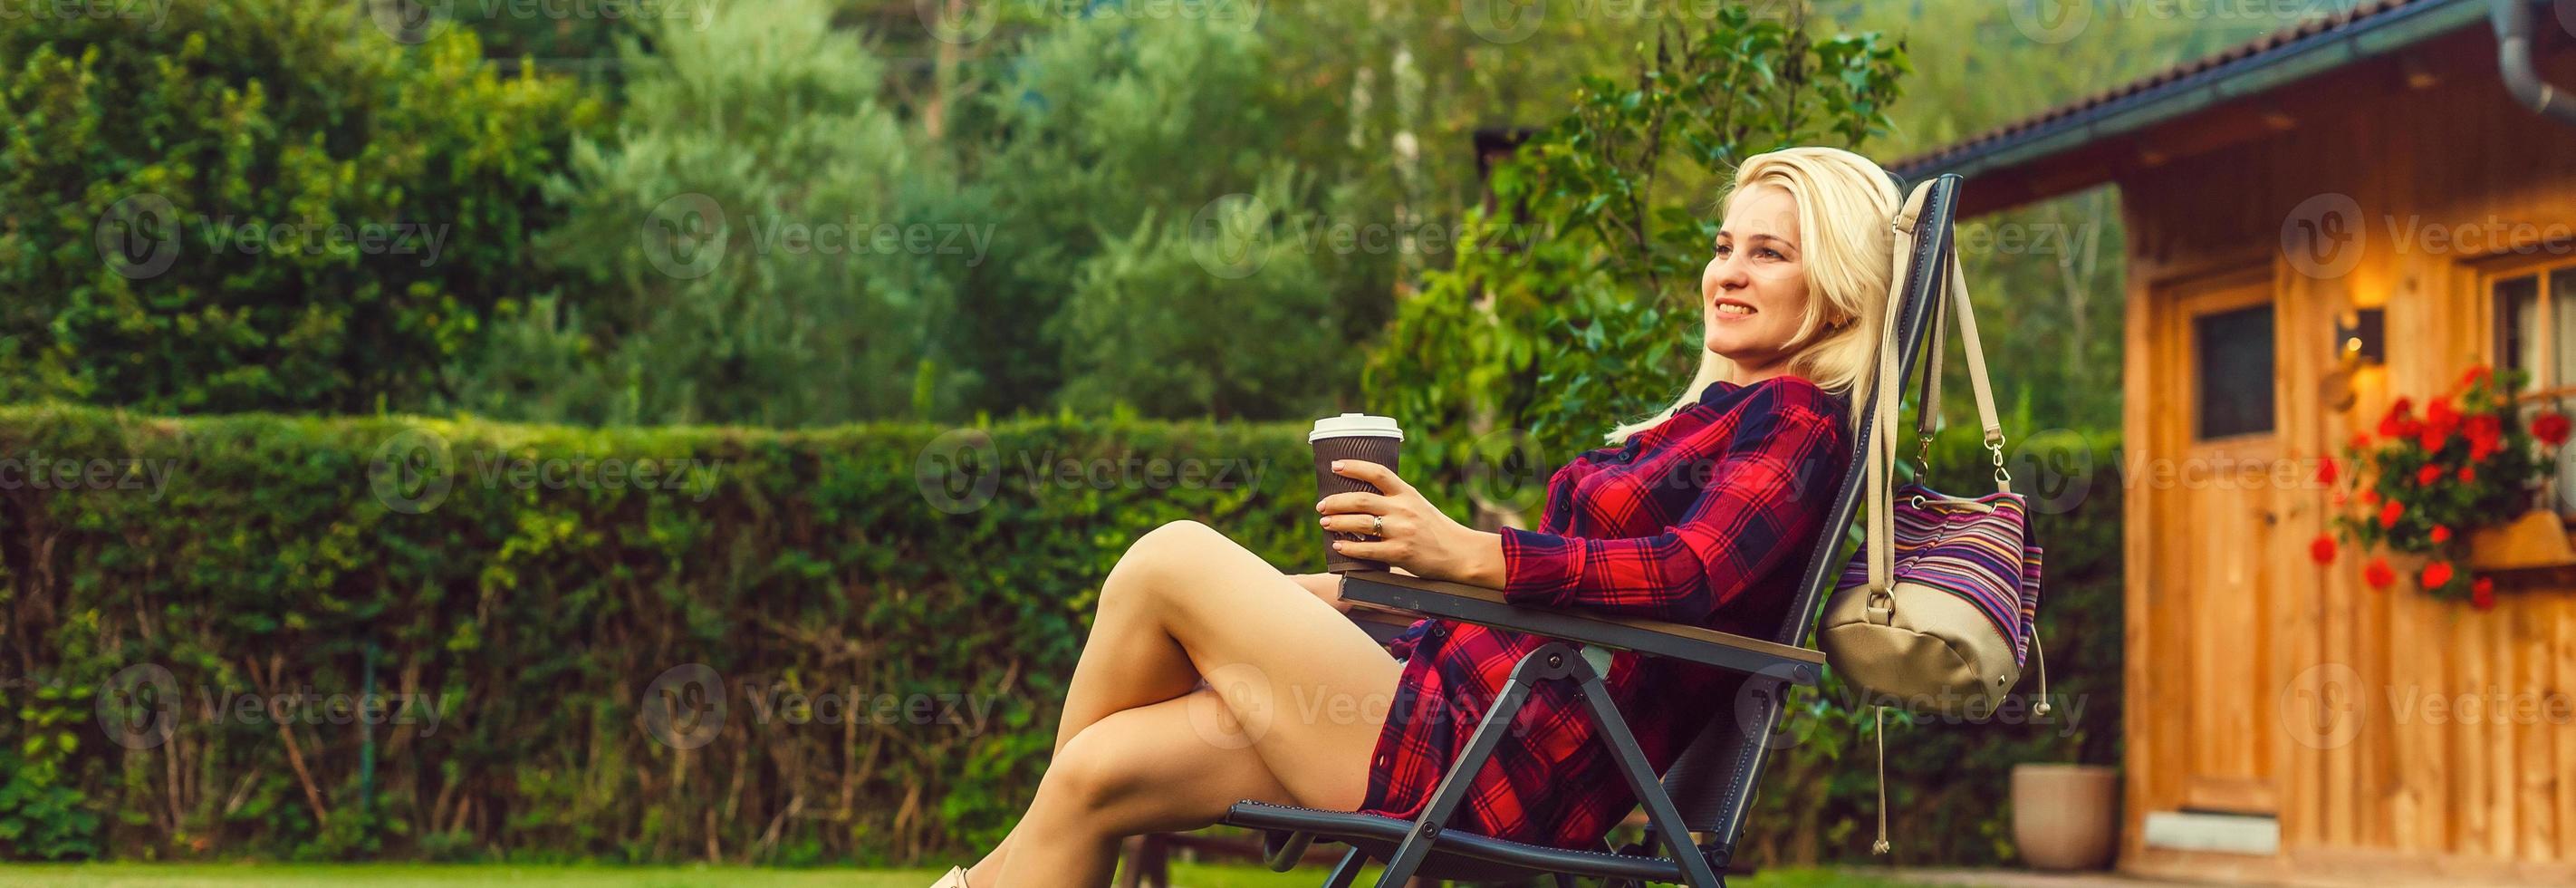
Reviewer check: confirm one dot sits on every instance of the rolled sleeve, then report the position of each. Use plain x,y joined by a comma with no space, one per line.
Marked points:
1539,567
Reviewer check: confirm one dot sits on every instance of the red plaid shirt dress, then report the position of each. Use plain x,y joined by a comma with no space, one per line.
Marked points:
1706,518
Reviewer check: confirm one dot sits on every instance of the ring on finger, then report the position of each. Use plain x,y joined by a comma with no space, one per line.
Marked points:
1377,525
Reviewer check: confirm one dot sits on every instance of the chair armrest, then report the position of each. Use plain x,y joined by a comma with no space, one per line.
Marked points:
1386,591
1381,625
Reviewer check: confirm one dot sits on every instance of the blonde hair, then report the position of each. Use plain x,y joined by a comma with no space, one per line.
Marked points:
1845,203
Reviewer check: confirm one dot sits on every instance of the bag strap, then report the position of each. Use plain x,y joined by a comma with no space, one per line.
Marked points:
1978,384
1884,392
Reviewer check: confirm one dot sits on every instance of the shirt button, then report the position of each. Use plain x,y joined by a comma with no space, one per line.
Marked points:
1381,761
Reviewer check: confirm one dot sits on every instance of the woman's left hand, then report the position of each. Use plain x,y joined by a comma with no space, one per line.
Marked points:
1417,536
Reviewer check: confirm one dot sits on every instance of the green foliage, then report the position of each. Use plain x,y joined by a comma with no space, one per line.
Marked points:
1134,159
533,603
1591,318
259,204
43,816
1220,316
510,580
756,243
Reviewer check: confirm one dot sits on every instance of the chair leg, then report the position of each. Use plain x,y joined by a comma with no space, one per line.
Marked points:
1660,811
1547,662
1347,871
1148,859
1131,854
1745,775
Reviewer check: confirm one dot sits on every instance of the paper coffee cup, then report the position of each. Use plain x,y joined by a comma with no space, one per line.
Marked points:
1358,436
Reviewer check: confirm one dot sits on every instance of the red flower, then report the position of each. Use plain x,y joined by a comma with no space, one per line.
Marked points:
2482,594
2378,574
2468,474
2437,575
2340,499
2441,534
2424,477
2322,549
2389,512
2486,436
2550,428
2475,375
2369,496
2399,421
2439,421
2360,441
2327,471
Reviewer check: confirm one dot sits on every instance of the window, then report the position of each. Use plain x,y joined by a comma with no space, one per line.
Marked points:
2235,372
2535,312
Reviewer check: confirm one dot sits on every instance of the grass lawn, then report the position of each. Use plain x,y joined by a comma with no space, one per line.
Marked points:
404,875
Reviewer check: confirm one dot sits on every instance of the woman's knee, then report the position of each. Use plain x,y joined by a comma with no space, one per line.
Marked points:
1156,556
1104,784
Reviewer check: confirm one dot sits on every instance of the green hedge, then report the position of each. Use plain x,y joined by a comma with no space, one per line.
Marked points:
521,584
261,204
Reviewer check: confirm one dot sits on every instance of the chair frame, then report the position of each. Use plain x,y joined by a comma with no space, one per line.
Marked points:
1715,775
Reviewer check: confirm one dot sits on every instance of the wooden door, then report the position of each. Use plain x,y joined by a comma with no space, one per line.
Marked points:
2217,537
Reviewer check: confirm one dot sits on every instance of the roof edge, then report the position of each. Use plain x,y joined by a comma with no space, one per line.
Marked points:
2234,79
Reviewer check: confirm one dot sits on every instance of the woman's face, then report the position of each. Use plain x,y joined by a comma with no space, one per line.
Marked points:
1754,290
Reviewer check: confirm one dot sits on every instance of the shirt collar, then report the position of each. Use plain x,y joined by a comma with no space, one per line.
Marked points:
1719,393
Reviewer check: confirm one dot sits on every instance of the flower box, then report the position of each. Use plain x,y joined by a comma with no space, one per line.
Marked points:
2537,540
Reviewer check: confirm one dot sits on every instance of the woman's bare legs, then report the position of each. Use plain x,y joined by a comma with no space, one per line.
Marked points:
1325,587
1294,688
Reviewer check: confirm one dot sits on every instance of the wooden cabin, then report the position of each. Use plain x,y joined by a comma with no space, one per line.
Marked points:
2287,723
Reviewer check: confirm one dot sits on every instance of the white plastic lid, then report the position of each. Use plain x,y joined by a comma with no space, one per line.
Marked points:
1350,425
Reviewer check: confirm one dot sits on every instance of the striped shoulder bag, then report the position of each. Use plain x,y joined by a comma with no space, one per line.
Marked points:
1943,610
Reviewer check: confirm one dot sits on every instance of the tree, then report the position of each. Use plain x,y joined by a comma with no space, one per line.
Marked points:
1574,305
260,205
759,242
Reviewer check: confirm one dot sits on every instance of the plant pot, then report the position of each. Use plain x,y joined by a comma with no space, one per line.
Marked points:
2066,817
2534,541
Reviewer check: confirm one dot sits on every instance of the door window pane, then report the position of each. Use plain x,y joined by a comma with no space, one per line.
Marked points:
2518,321
2562,322
2235,378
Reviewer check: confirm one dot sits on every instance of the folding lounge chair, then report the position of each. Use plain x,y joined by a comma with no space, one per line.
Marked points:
1710,784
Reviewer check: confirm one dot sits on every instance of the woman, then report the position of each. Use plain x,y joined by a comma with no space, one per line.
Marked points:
1704,516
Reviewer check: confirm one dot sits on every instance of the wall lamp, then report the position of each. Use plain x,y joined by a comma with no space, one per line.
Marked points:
2359,336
